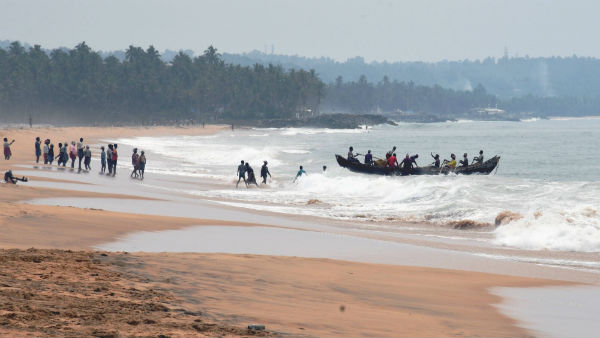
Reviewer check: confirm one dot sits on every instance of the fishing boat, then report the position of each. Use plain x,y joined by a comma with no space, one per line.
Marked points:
484,168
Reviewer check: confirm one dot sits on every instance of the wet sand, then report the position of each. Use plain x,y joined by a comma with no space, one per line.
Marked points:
291,295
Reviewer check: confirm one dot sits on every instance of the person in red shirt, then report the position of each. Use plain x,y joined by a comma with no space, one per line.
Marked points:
392,161
115,157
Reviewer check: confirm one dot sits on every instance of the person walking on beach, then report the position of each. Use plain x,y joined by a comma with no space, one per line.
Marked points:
73,154
109,158
51,154
142,164
264,171
102,160
134,161
115,157
46,150
7,152
300,173
38,149
87,154
241,172
80,151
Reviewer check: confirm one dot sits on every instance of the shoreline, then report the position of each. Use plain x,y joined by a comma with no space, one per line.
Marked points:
27,218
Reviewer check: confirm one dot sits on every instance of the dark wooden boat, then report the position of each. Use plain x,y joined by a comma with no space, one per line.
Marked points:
485,168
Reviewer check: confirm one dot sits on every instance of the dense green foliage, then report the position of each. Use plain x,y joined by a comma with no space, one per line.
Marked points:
81,85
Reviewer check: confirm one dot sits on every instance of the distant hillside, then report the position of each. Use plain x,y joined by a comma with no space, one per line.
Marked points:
505,77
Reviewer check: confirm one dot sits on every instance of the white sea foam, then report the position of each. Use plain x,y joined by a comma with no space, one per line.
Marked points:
558,212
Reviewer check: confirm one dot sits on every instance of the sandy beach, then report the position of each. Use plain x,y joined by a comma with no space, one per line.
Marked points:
65,286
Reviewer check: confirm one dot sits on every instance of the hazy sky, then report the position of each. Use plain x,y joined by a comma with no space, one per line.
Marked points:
377,29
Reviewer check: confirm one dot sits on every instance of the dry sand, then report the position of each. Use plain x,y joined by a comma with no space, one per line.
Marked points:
55,294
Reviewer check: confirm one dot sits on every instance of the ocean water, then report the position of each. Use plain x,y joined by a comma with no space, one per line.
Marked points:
549,173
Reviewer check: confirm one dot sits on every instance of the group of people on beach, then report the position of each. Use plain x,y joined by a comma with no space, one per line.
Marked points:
391,160
77,151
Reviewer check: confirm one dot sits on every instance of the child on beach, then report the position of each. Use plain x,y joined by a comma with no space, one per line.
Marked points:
7,152
142,165
87,154
102,160
51,154
300,173
38,149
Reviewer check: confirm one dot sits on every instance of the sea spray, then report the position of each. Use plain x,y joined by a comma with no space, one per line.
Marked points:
557,195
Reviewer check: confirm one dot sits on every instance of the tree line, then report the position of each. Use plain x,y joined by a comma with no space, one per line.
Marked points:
80,86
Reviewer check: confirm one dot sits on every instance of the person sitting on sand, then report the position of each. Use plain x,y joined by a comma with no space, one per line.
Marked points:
134,161
102,160
87,154
51,154
38,149
251,177
241,172
264,171
9,178
7,152
300,173
142,164
436,159
465,161
478,159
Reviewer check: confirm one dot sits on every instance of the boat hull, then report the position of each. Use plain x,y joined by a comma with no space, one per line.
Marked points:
485,168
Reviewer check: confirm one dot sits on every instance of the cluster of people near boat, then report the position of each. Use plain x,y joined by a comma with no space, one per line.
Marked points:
77,151
409,162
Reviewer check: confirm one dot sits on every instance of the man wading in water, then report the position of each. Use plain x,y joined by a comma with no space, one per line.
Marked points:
241,172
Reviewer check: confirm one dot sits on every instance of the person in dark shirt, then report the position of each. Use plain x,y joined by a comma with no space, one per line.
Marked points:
369,158
264,171
241,172
9,178
465,161
436,159
478,159
414,160
38,149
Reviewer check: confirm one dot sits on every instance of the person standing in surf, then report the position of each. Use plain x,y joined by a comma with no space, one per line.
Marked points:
300,172
264,171
241,172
